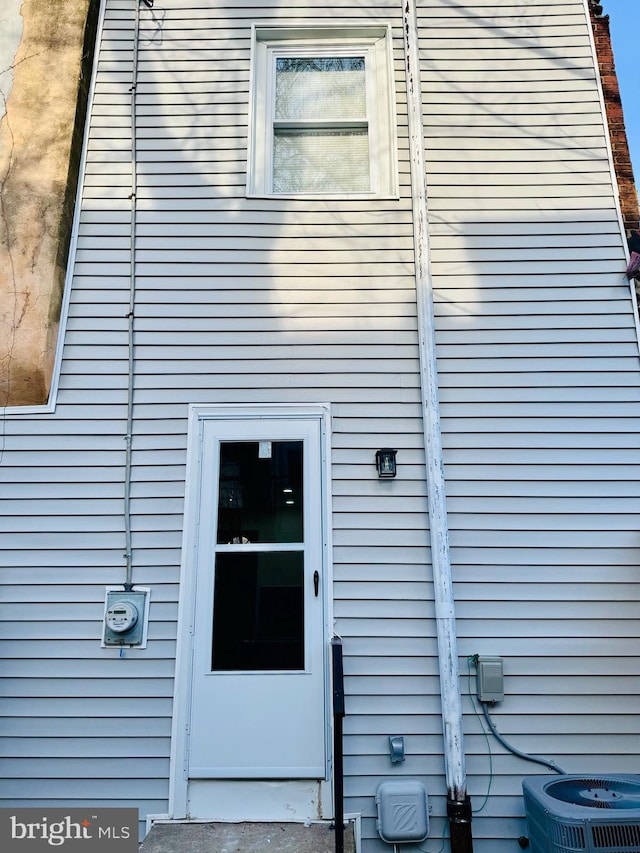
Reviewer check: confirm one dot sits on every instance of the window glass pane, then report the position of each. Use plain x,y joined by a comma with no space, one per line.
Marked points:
260,493
320,88
258,611
321,161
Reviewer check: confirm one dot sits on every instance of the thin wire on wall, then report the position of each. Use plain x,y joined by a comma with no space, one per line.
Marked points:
128,554
470,661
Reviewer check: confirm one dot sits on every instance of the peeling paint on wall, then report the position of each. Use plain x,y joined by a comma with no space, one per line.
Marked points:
11,26
42,49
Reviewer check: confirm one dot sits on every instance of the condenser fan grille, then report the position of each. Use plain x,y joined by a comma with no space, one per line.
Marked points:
596,793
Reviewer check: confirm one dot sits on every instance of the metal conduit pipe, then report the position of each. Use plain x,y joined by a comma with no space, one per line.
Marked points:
458,802
537,759
128,554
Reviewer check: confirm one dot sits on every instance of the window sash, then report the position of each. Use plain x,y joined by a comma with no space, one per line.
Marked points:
370,43
321,160
320,183
314,93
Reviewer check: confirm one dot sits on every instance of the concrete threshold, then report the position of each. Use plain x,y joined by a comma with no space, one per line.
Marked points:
244,838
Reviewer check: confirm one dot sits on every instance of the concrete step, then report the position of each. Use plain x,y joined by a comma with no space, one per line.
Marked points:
244,838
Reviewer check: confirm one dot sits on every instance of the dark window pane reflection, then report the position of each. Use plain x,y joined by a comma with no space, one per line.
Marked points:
258,612
260,497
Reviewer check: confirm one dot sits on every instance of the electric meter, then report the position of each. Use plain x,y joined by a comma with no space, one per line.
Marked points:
126,615
121,616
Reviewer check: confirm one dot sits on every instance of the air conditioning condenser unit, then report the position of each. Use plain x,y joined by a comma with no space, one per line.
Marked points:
583,814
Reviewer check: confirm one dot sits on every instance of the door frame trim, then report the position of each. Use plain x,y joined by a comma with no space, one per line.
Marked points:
199,414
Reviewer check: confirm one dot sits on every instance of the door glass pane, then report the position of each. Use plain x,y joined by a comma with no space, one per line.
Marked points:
258,611
321,161
260,495
324,88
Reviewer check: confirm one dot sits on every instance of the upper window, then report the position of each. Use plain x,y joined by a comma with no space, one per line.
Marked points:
322,114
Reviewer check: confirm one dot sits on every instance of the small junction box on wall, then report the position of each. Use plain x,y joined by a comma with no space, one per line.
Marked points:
126,617
490,679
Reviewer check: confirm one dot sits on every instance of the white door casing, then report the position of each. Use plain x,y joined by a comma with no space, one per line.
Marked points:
251,695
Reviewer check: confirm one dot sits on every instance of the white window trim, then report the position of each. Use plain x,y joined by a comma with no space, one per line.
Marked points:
374,42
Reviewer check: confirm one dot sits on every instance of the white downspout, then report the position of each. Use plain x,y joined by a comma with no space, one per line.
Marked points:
442,581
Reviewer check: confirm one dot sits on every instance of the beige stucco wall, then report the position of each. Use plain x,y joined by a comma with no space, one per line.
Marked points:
42,68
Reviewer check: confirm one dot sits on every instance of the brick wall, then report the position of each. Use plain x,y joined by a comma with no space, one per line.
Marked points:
615,118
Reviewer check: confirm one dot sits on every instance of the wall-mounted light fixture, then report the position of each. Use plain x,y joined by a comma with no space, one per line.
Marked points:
386,462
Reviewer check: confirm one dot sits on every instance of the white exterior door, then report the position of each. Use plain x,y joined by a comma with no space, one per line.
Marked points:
257,704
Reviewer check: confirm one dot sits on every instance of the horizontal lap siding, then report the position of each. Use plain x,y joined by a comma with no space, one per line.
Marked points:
259,301
236,301
538,365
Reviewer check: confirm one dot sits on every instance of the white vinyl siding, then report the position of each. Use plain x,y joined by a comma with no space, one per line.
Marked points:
539,388
276,300
237,300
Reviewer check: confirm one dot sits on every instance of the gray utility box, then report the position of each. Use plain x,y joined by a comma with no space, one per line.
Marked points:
403,811
490,680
